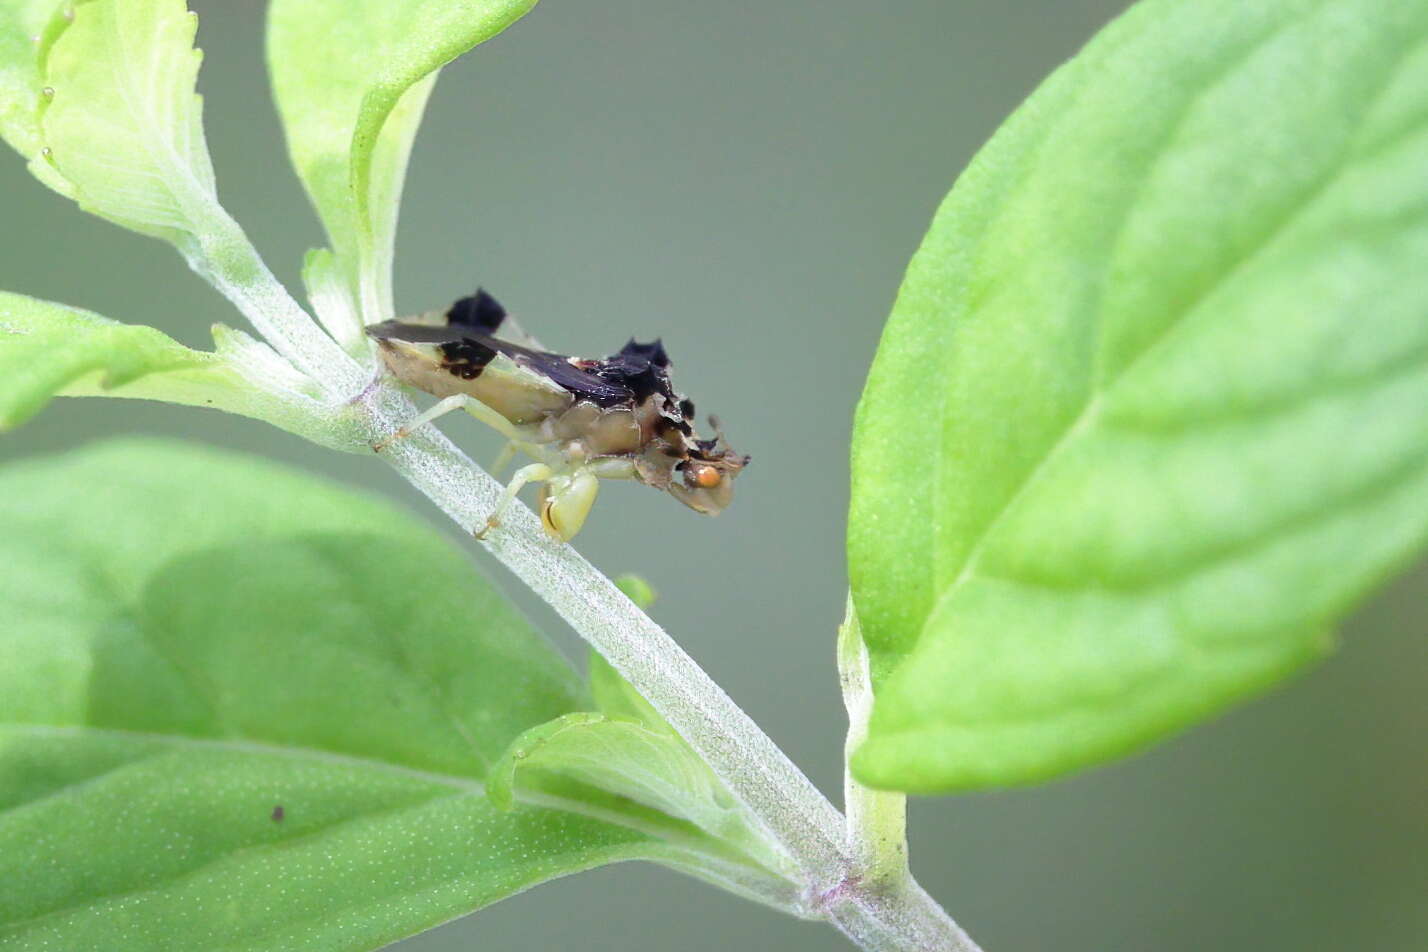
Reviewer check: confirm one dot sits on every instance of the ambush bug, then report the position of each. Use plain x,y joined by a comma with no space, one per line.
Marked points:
581,420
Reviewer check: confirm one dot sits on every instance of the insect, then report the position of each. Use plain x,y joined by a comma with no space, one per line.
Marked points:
581,420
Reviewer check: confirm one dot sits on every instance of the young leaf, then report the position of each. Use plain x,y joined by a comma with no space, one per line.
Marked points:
27,30
637,589
644,777
123,125
23,24
123,135
1148,417
244,709
331,298
652,768
612,693
49,350
351,113
618,698
46,347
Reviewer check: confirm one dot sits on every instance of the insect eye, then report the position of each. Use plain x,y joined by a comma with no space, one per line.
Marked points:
702,477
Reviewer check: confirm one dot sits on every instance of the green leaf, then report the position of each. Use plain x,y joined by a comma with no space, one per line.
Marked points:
618,698
22,25
637,589
27,30
1148,417
244,709
124,127
331,298
669,763
648,767
123,135
49,350
646,777
351,78
47,347
612,693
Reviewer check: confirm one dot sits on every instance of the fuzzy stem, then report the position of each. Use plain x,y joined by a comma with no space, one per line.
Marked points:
775,792
873,900
233,266
860,882
900,919
877,819
886,908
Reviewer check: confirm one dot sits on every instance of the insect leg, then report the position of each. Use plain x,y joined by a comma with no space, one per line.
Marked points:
441,408
535,472
508,452
566,500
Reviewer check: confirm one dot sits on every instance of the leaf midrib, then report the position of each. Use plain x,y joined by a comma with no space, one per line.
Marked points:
665,844
260,748
464,785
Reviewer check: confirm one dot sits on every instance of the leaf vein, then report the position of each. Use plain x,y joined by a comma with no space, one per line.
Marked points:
1091,411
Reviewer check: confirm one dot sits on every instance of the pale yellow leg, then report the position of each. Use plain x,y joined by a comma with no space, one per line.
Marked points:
566,501
441,408
508,453
535,472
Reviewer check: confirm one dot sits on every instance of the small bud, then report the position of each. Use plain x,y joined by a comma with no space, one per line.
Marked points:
636,589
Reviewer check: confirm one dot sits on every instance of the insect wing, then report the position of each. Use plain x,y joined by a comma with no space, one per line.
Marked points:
519,383
517,392
482,314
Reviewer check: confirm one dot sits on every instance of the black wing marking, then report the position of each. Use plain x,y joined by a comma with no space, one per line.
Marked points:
643,368
479,312
466,348
483,314
417,333
653,352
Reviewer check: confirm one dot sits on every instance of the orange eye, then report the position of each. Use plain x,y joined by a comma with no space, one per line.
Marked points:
703,477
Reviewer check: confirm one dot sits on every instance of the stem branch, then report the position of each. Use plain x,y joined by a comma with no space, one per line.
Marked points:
888,910
877,819
775,792
857,876
854,875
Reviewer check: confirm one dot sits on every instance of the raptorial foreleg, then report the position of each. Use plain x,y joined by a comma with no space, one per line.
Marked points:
534,473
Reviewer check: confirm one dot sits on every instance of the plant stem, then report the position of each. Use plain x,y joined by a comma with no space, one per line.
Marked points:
775,792
861,884
889,908
877,819
855,876
898,920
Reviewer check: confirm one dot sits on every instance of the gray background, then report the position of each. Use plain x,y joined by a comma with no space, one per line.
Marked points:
748,180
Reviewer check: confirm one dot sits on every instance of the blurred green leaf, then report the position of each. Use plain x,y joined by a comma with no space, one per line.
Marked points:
637,589
244,709
1148,417
351,78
